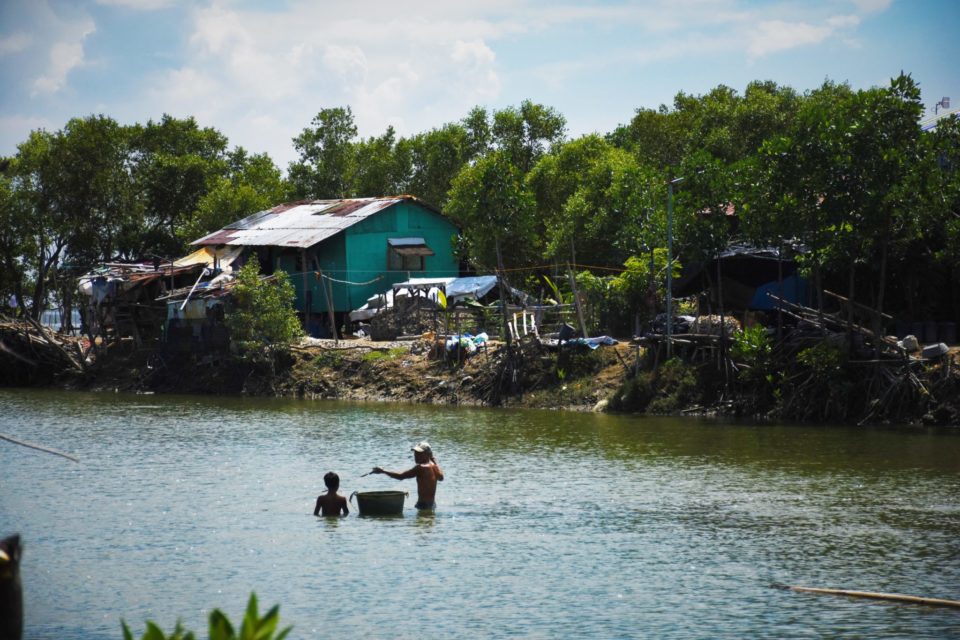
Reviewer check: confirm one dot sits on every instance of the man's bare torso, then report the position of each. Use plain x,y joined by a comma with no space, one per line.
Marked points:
428,474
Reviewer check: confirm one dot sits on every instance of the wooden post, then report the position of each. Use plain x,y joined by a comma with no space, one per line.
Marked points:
723,330
894,597
459,350
307,301
779,290
576,302
328,298
503,303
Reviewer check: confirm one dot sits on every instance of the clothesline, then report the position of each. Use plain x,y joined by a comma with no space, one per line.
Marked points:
355,284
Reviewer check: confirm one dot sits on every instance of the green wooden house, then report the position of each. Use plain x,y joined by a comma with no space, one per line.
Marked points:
339,253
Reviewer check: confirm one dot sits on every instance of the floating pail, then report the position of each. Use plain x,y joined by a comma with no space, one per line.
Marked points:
379,503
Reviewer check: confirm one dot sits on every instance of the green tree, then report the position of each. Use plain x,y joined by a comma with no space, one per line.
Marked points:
14,240
176,163
526,132
479,132
884,186
655,137
327,156
254,183
496,213
68,197
436,157
641,285
941,224
262,317
790,178
558,174
379,167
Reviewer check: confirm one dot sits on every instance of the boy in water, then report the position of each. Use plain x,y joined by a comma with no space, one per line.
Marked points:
426,471
331,503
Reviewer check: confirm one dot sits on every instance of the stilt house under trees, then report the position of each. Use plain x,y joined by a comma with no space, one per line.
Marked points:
339,253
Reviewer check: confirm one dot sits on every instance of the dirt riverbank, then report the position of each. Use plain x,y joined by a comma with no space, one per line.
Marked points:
404,371
533,375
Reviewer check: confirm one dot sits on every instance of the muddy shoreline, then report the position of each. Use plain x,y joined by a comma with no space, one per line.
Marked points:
611,378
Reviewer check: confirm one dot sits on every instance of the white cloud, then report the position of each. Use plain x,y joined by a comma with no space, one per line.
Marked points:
14,129
777,35
260,75
65,54
391,65
843,22
872,6
138,5
14,43
346,61
474,68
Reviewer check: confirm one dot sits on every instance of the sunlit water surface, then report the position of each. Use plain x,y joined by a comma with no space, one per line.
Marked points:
550,525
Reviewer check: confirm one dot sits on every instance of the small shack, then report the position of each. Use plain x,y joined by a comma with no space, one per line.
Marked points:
339,253
745,274
120,300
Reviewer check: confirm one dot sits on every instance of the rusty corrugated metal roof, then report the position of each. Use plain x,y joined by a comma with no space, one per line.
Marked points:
300,224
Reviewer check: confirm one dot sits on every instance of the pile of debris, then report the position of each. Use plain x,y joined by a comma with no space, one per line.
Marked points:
886,379
32,354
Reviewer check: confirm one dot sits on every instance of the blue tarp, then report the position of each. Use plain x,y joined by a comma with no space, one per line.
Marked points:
476,287
794,290
593,343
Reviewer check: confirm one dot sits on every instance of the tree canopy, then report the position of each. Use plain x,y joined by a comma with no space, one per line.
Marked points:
848,174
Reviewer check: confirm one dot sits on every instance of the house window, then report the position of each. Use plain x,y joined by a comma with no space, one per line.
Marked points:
407,254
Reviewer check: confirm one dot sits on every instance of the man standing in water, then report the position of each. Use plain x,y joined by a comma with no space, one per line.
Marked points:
426,471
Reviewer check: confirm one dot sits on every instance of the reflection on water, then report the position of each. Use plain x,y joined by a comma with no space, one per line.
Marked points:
549,524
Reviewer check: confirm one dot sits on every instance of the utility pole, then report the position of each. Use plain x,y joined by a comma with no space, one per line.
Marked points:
670,264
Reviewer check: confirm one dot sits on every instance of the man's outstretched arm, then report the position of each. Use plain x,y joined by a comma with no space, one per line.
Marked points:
409,473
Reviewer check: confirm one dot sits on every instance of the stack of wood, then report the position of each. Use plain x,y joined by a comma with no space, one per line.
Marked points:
30,352
817,324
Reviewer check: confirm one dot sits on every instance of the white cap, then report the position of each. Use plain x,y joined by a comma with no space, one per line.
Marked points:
423,447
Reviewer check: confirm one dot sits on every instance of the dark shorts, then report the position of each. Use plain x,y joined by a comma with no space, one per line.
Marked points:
426,506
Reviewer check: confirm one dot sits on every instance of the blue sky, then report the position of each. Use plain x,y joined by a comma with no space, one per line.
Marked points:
259,71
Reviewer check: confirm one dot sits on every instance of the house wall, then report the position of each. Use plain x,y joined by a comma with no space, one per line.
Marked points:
367,249
330,256
359,254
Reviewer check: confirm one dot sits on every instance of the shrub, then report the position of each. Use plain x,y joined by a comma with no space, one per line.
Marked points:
253,627
634,394
262,314
752,347
825,360
677,385
673,386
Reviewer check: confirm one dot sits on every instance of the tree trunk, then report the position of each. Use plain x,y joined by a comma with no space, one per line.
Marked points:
66,324
573,290
851,289
780,290
503,294
877,318
723,331
817,282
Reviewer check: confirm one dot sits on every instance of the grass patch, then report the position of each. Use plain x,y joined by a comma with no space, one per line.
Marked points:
327,360
390,354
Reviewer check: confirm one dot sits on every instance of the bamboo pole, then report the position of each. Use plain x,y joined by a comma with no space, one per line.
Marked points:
576,301
894,597
37,447
307,298
328,298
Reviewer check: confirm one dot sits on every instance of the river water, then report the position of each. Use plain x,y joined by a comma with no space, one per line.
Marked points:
550,525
